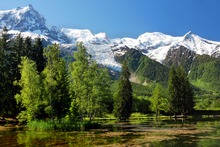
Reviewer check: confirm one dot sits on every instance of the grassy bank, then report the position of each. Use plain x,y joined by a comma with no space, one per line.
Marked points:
61,125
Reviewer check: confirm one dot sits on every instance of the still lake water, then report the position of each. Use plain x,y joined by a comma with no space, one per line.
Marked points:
164,133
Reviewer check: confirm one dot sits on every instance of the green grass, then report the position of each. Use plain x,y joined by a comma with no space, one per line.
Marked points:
138,115
61,125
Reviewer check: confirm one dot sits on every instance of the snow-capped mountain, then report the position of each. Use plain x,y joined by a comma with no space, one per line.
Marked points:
156,45
29,21
98,45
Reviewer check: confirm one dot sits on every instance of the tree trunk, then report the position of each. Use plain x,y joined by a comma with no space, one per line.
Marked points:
90,117
3,116
175,116
184,116
81,117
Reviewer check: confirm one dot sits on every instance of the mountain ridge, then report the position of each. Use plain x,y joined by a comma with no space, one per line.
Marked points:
155,45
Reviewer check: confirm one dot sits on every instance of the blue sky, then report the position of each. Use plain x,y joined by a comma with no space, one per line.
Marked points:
130,18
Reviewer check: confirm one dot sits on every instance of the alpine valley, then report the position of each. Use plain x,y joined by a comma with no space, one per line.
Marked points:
150,55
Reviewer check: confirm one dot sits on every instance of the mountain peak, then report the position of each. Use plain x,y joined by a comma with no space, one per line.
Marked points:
23,10
30,6
27,19
189,33
22,19
102,35
188,36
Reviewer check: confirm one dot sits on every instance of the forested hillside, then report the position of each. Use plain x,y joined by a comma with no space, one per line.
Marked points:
205,73
146,69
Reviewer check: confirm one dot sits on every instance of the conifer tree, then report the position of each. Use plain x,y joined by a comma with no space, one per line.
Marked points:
3,72
37,54
186,93
15,56
173,88
28,48
14,60
124,98
180,91
7,76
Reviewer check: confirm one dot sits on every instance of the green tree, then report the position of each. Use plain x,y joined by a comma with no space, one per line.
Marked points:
124,98
173,88
55,81
159,100
18,45
16,51
37,54
49,73
185,92
79,81
14,60
30,94
28,48
8,75
3,71
180,91
141,104
100,90
89,85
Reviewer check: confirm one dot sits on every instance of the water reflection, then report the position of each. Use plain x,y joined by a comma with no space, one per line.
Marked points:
31,138
189,141
156,134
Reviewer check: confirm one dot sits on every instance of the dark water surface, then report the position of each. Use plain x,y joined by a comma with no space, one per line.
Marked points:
166,133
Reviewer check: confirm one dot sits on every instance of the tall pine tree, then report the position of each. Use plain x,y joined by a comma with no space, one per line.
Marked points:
180,91
3,72
8,75
28,48
186,93
173,88
124,97
37,54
